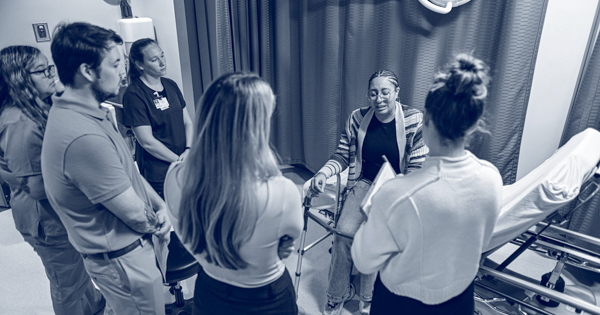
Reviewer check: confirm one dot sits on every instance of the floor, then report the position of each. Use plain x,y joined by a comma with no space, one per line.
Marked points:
24,288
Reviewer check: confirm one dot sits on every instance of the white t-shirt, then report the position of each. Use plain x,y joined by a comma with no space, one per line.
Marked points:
281,216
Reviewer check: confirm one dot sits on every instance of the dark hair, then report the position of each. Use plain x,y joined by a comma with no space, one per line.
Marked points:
78,43
390,75
456,100
16,87
136,55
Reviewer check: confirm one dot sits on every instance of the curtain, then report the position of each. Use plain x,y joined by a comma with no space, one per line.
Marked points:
319,54
585,113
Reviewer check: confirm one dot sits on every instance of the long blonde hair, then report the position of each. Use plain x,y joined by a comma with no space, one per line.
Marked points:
229,156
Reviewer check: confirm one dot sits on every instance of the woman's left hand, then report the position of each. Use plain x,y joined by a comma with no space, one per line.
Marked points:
183,155
286,246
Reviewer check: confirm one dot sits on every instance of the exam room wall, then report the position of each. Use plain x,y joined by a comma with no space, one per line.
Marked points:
17,17
563,43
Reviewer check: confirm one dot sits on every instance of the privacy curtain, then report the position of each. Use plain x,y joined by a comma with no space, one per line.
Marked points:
319,54
585,113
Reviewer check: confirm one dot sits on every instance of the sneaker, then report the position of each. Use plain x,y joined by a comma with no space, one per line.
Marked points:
335,308
364,307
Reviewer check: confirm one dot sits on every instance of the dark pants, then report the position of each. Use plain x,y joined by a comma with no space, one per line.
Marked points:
215,297
71,288
386,302
159,187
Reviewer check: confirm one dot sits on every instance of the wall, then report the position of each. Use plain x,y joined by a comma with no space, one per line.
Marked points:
17,17
162,13
563,44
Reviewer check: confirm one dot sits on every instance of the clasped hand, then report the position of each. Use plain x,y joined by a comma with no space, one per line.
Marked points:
183,155
163,225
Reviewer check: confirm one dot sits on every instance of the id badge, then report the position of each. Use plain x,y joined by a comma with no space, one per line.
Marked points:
161,103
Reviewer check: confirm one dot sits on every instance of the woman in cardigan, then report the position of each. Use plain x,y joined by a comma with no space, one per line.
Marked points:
426,231
387,128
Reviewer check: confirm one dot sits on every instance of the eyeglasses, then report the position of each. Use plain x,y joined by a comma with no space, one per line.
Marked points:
384,96
48,71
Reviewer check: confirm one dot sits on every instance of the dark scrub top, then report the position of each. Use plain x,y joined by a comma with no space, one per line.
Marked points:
20,153
85,162
139,109
380,140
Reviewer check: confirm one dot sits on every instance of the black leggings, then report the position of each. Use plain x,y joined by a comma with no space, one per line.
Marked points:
215,297
386,302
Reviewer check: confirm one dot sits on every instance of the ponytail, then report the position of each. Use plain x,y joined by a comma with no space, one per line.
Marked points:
136,55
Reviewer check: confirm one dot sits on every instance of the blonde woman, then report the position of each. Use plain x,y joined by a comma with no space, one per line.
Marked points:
231,207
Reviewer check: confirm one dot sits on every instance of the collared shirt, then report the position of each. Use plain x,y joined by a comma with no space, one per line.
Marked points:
20,153
86,162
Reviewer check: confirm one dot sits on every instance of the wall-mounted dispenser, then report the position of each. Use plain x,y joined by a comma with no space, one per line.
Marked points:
134,29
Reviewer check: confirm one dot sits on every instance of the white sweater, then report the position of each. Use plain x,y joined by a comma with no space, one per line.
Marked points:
426,230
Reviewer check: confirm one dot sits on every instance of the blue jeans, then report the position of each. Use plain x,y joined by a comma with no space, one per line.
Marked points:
341,260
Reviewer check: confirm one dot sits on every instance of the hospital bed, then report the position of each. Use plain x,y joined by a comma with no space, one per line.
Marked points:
530,218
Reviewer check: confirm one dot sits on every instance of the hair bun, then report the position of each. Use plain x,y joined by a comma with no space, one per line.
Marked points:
468,76
456,101
465,63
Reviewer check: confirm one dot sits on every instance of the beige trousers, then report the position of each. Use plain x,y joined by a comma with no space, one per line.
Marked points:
131,284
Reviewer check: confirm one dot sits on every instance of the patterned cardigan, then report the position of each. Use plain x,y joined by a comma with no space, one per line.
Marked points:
409,128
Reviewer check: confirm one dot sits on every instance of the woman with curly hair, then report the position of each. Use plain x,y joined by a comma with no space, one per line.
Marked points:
27,83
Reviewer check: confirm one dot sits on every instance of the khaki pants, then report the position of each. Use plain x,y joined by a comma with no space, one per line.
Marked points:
131,284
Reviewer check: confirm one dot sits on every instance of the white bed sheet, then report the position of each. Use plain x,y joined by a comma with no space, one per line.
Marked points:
551,185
